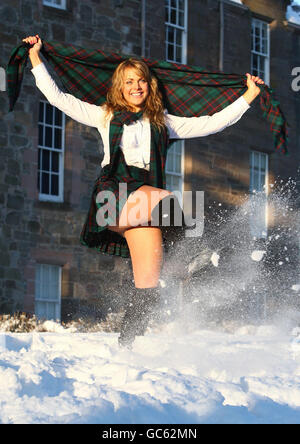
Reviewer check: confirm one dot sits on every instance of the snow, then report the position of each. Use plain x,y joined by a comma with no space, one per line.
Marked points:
215,259
173,376
224,350
257,255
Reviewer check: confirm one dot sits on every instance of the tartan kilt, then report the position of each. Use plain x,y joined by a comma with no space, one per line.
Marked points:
108,241
99,237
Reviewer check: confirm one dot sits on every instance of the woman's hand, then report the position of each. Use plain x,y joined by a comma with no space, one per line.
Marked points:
36,43
253,90
34,51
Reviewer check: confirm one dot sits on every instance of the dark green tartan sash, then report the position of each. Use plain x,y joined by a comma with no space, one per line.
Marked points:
158,149
119,171
188,90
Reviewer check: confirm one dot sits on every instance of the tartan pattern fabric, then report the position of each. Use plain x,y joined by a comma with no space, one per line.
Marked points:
187,90
95,235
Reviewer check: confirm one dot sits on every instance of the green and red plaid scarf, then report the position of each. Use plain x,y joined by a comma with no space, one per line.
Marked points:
188,90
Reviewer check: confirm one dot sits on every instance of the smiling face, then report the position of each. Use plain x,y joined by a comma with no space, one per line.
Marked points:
135,89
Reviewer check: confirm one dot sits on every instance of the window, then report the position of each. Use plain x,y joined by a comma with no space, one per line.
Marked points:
176,41
174,167
60,4
48,291
260,49
176,30
50,153
258,193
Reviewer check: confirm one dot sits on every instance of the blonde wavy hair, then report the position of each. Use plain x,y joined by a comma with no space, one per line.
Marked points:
153,106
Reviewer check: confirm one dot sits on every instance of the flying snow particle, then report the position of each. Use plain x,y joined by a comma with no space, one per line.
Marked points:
215,259
162,283
257,255
296,287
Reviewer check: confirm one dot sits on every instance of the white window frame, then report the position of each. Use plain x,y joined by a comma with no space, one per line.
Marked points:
183,30
171,170
60,196
42,285
53,4
177,28
263,57
259,228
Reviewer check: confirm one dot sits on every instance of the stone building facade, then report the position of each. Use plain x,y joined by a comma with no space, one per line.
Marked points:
39,237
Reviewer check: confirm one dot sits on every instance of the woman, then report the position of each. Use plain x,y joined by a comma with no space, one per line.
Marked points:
135,131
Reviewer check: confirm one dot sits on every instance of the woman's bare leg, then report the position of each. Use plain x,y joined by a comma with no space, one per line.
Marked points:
144,242
146,251
137,210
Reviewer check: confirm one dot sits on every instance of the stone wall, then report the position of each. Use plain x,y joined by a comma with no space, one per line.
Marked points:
219,164
33,231
42,232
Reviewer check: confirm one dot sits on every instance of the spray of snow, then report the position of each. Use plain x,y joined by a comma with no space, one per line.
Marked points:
230,274
225,349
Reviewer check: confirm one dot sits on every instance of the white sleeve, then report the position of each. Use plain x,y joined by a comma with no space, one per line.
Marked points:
77,109
189,127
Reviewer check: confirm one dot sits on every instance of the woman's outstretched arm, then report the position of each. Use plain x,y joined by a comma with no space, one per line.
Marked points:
83,112
191,127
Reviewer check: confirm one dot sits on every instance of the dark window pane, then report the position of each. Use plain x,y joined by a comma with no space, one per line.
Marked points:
54,184
173,16
178,37
264,47
45,183
178,54
57,138
41,112
46,160
181,19
48,136
41,141
171,36
58,117
39,158
254,63
170,52
55,158
257,45
49,114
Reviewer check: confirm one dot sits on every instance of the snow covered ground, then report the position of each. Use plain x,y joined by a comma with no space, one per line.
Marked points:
250,374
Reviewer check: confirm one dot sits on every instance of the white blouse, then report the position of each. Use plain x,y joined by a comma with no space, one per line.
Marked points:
136,137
